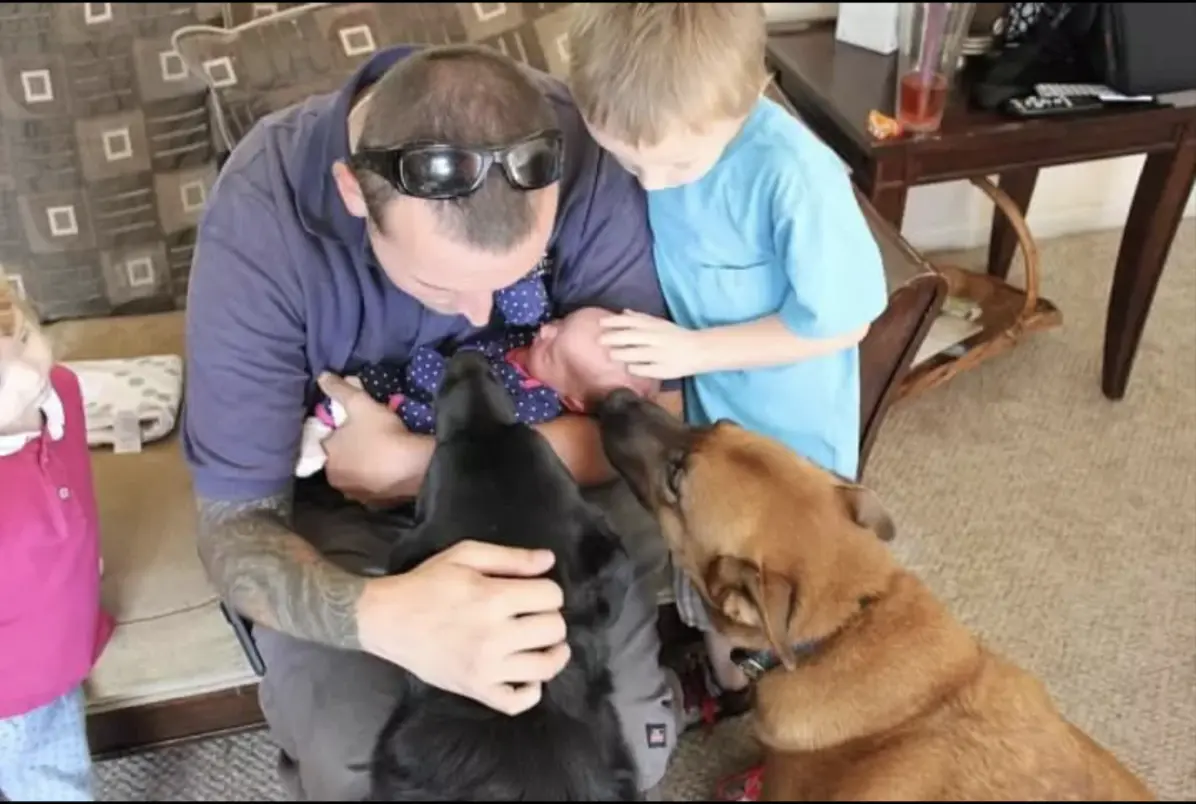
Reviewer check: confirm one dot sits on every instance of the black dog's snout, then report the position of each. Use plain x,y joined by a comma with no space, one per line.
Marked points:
464,364
471,396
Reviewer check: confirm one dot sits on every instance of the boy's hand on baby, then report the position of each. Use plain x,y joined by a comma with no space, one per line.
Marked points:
651,347
372,458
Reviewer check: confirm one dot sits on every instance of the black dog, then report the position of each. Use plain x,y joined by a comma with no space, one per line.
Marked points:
496,480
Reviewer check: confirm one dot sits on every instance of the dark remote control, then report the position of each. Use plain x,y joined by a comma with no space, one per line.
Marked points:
1040,106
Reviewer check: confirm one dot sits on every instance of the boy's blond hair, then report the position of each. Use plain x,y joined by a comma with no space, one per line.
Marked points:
640,72
15,312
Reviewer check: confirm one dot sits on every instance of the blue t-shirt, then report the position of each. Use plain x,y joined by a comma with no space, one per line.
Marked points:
774,229
283,286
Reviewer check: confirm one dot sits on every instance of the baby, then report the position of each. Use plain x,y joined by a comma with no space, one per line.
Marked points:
548,371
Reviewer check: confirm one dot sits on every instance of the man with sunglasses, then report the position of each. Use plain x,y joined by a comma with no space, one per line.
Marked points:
356,227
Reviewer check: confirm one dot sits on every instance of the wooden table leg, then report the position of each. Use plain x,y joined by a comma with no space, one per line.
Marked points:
1019,186
1162,192
889,201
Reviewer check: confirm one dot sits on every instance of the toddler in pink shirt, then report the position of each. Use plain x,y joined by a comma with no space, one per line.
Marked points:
52,626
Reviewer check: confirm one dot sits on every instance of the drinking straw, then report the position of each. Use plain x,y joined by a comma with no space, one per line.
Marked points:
933,31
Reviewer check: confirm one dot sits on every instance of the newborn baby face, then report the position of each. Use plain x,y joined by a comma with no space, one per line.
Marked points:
567,357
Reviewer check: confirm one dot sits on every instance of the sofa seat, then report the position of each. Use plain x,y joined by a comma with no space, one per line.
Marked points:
172,641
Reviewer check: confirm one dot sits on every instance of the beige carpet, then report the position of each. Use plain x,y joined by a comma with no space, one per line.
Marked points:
1060,525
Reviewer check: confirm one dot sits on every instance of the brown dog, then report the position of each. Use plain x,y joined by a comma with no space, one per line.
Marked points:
866,687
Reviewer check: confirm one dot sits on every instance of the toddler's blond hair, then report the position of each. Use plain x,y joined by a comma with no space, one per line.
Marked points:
15,312
640,72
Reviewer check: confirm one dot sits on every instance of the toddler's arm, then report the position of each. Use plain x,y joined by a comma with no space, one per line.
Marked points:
767,342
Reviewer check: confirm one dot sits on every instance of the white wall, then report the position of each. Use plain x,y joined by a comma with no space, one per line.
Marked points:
792,12
1071,198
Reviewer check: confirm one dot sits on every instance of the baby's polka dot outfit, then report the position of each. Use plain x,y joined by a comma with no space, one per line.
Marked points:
410,389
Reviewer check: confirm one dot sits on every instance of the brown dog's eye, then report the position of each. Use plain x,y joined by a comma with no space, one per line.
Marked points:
674,471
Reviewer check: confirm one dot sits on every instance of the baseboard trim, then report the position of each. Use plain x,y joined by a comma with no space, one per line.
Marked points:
121,732
962,230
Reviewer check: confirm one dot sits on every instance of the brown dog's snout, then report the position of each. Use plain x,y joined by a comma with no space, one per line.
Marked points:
628,449
621,419
638,438
627,420
616,403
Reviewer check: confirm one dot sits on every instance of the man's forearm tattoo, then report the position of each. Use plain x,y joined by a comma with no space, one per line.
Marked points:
273,576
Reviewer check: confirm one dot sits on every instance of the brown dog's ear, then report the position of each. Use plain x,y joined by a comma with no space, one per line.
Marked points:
868,511
753,597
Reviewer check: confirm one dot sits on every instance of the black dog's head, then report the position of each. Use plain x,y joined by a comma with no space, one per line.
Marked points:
494,479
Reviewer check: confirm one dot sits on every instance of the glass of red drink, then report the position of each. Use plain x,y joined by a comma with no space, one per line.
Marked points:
930,45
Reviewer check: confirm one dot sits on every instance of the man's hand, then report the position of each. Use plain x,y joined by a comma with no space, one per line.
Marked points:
457,623
372,457
652,347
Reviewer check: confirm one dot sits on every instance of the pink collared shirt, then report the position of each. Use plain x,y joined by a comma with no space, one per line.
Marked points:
52,626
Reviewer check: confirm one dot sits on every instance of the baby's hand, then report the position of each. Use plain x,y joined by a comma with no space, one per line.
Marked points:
329,415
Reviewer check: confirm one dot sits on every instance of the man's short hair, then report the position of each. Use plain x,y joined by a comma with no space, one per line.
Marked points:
640,72
466,95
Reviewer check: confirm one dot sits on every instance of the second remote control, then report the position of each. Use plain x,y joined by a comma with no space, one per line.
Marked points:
1038,106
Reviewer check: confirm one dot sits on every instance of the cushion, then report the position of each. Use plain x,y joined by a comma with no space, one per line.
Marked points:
105,155
265,64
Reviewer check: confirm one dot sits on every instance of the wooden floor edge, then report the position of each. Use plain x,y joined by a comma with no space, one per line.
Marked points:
121,732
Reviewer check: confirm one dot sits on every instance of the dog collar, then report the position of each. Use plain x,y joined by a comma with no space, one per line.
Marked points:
756,664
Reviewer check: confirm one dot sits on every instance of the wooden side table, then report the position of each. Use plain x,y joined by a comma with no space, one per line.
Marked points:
834,86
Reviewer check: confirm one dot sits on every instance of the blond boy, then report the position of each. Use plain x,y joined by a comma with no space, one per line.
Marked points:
769,269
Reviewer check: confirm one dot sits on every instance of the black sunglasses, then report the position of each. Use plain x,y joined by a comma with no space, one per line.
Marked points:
439,171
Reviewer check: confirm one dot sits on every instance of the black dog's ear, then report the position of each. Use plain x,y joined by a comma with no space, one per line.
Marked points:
606,569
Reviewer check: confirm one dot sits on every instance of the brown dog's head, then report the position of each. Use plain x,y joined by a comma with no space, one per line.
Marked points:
783,552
